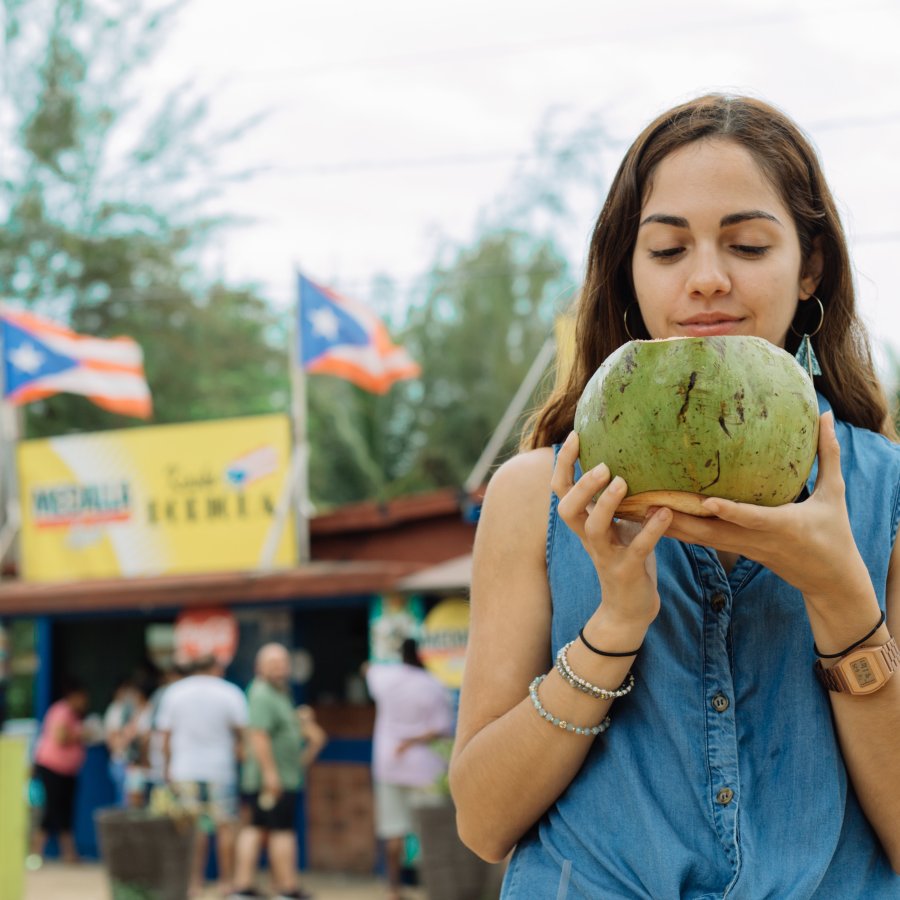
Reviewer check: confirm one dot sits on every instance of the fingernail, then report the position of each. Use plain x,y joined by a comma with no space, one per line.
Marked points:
617,484
600,471
569,439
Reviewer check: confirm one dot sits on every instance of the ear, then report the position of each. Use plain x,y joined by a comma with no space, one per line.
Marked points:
811,272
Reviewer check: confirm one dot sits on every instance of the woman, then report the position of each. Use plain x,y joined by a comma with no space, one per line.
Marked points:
728,769
58,758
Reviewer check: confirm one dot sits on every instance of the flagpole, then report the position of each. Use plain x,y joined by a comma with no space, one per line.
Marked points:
10,516
511,416
295,491
299,414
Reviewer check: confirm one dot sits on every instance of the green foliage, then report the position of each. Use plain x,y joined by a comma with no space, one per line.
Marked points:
485,317
126,890
102,211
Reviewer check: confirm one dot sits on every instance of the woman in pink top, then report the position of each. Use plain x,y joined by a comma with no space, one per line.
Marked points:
412,709
58,758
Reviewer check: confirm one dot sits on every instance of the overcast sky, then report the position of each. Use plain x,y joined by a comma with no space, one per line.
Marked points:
396,121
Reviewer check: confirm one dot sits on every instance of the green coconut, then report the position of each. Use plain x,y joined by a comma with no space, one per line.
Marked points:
682,419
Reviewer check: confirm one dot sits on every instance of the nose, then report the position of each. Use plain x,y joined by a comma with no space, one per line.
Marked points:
708,276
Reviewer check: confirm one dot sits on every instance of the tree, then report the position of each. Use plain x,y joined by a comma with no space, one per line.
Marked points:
102,212
475,321
486,315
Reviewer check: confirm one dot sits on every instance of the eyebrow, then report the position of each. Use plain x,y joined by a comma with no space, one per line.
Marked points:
732,219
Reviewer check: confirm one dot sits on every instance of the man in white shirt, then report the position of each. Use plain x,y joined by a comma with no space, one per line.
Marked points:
202,718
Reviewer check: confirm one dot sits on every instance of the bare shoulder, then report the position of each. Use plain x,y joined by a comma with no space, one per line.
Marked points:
513,524
521,487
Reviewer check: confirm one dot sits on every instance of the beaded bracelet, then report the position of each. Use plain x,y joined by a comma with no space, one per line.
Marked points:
564,669
562,723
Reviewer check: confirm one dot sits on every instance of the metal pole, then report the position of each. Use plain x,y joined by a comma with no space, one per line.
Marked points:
10,517
301,438
511,416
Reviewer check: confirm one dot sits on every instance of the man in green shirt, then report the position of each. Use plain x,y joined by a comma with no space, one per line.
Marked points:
278,752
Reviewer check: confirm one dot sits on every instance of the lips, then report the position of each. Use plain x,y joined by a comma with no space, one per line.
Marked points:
713,323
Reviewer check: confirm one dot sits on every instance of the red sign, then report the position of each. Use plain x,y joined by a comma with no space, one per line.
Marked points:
200,633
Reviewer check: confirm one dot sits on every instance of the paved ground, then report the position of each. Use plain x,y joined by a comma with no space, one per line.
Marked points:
88,882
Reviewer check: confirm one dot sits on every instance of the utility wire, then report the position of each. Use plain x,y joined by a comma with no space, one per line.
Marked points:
356,166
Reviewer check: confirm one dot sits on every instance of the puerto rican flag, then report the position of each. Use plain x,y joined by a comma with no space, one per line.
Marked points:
42,358
341,337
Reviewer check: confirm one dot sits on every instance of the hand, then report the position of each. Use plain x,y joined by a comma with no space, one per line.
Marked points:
622,552
810,544
271,784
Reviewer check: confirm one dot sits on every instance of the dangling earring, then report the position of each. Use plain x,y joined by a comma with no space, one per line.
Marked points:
805,355
631,337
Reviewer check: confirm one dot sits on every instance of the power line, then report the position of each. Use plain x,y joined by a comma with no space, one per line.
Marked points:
356,166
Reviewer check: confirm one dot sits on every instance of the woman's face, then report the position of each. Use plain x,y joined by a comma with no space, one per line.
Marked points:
717,251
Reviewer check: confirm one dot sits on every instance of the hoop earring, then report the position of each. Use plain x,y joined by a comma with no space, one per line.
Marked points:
631,337
805,355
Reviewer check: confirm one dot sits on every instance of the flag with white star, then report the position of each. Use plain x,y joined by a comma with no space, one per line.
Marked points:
341,337
41,358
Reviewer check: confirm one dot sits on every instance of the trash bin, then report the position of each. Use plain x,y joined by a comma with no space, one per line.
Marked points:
449,869
146,856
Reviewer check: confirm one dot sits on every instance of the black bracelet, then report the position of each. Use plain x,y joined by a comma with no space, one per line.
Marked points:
853,646
594,649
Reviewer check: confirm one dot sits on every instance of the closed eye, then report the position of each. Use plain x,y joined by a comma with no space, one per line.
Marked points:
749,250
667,253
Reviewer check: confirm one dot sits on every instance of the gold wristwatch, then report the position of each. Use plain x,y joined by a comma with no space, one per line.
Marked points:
862,671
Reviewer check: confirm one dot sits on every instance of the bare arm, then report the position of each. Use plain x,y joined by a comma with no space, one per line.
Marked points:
509,765
239,732
261,746
64,735
314,736
869,732
167,754
425,738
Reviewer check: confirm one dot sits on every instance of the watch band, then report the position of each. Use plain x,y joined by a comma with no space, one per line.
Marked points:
862,671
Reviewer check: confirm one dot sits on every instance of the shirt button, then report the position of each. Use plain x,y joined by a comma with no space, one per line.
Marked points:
717,602
725,796
720,703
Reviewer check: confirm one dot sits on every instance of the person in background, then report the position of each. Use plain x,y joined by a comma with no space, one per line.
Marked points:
282,743
412,709
202,719
136,732
117,736
58,758
151,735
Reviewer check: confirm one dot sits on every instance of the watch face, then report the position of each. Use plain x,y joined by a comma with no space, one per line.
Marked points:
863,673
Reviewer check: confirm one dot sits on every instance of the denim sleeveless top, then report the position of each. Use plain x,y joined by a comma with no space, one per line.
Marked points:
721,774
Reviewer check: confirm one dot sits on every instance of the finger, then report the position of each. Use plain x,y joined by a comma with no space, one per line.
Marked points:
564,470
582,493
829,478
747,515
601,516
707,532
655,525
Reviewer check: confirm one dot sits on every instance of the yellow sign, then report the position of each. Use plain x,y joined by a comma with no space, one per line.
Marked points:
442,646
168,499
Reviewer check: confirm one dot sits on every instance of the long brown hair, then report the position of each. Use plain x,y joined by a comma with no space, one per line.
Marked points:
788,160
